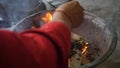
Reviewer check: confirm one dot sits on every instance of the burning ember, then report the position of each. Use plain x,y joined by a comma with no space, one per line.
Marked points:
82,52
84,49
47,17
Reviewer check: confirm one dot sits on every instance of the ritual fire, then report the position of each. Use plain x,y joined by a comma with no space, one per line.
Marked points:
95,42
47,17
82,51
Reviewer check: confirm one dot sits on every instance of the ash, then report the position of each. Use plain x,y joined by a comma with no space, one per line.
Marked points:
78,57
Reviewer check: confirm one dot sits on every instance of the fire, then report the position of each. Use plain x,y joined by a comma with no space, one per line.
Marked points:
33,27
47,18
84,49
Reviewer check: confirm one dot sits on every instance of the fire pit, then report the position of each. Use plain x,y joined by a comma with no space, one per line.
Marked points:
100,35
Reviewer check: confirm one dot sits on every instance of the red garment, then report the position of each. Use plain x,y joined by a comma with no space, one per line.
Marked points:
47,47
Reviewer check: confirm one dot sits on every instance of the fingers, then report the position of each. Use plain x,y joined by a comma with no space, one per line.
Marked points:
74,11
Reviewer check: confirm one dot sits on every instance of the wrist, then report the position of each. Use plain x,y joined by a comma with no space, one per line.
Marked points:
60,17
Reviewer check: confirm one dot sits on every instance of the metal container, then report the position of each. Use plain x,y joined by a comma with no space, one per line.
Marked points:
100,33
93,28
53,3
19,9
4,20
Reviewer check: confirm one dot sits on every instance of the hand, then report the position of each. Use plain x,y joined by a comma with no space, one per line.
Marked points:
73,10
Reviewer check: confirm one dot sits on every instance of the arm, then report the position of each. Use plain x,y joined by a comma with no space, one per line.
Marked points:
47,47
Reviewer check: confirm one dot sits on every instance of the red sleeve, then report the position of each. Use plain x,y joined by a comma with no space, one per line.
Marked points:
47,47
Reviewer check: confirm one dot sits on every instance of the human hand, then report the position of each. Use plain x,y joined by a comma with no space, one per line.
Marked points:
71,12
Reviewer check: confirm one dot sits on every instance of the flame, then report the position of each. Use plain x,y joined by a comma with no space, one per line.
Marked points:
84,49
47,18
33,27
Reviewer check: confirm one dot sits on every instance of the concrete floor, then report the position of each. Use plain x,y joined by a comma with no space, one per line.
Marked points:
109,10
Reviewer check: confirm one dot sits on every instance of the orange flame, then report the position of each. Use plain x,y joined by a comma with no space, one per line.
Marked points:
47,18
33,27
84,49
